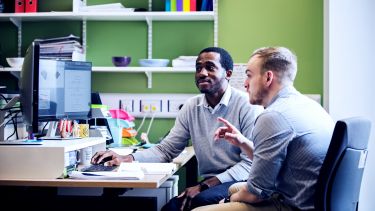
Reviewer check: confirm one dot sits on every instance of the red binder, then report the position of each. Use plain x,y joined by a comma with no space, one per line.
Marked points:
31,5
193,5
19,6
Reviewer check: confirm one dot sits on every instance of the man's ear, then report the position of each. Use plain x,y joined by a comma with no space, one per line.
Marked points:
270,76
228,74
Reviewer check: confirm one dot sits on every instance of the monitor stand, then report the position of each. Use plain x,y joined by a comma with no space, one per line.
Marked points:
52,135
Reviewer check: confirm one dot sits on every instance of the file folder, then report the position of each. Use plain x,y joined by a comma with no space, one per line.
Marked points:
186,5
31,5
19,6
179,5
173,5
167,5
193,5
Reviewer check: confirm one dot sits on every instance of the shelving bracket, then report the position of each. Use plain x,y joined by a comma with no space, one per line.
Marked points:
18,23
149,79
149,37
216,23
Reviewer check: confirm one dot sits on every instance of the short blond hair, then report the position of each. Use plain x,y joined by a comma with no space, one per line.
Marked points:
281,60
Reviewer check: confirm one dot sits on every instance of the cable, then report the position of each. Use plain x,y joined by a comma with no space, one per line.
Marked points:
6,100
6,122
149,125
44,127
143,121
14,131
14,125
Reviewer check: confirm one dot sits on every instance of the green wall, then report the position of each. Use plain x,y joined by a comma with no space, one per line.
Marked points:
244,25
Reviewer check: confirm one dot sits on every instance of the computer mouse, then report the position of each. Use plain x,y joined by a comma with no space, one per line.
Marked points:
105,160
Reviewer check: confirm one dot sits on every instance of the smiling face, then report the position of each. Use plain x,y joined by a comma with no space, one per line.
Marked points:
256,81
210,76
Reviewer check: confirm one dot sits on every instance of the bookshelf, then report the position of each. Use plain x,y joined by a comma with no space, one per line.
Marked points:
149,17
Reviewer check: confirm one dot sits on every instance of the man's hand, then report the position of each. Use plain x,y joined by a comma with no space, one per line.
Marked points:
115,159
187,195
243,195
230,133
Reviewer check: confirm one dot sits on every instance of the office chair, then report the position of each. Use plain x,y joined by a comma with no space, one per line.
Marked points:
340,177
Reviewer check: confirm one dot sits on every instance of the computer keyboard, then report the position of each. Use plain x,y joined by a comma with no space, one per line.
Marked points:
98,167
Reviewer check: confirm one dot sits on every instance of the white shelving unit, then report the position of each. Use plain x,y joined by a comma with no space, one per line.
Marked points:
105,16
149,17
124,69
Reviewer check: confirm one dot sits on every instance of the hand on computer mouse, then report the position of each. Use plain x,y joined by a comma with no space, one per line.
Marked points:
110,158
105,160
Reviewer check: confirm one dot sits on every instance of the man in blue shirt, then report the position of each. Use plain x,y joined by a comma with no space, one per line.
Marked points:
289,141
219,163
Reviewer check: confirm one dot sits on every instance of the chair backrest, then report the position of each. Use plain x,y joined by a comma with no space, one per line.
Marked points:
340,177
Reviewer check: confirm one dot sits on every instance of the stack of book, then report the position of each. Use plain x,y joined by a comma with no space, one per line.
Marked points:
188,5
62,48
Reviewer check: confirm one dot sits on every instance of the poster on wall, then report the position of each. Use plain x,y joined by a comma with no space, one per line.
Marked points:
238,76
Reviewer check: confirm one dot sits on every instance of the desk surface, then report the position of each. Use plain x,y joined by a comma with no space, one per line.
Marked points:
149,181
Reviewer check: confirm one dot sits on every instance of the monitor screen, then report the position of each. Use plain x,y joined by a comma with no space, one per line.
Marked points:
53,89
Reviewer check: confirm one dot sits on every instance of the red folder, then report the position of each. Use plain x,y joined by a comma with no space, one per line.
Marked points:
31,5
19,6
193,5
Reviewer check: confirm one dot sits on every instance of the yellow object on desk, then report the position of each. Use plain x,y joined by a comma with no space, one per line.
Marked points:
84,130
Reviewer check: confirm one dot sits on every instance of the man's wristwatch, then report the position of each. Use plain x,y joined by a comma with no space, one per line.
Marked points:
203,186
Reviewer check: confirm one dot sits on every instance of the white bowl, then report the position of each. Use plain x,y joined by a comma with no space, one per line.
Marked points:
153,62
15,61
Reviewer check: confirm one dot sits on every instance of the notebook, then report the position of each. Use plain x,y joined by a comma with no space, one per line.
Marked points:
148,168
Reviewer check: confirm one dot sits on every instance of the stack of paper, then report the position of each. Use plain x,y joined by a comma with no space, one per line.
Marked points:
184,61
108,175
148,168
62,48
111,7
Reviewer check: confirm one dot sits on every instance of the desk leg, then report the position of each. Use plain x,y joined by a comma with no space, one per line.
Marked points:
191,172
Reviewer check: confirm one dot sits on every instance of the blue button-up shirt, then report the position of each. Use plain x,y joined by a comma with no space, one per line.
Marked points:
291,138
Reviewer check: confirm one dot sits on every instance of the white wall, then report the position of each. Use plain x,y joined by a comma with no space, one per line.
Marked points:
350,73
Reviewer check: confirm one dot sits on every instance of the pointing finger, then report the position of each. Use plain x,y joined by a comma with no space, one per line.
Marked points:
226,122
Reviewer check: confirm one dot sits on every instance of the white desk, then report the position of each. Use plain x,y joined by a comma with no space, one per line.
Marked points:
46,161
163,187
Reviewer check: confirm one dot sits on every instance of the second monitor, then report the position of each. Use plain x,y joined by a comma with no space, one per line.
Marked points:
52,90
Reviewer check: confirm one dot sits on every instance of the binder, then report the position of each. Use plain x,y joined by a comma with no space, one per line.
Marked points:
167,5
31,5
19,6
186,5
207,5
173,5
179,5
193,5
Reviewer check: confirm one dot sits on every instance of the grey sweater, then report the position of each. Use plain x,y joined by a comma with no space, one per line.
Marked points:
198,121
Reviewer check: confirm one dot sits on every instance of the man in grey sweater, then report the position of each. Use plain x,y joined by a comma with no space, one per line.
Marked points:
220,163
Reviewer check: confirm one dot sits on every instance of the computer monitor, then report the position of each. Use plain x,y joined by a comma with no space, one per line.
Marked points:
51,90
